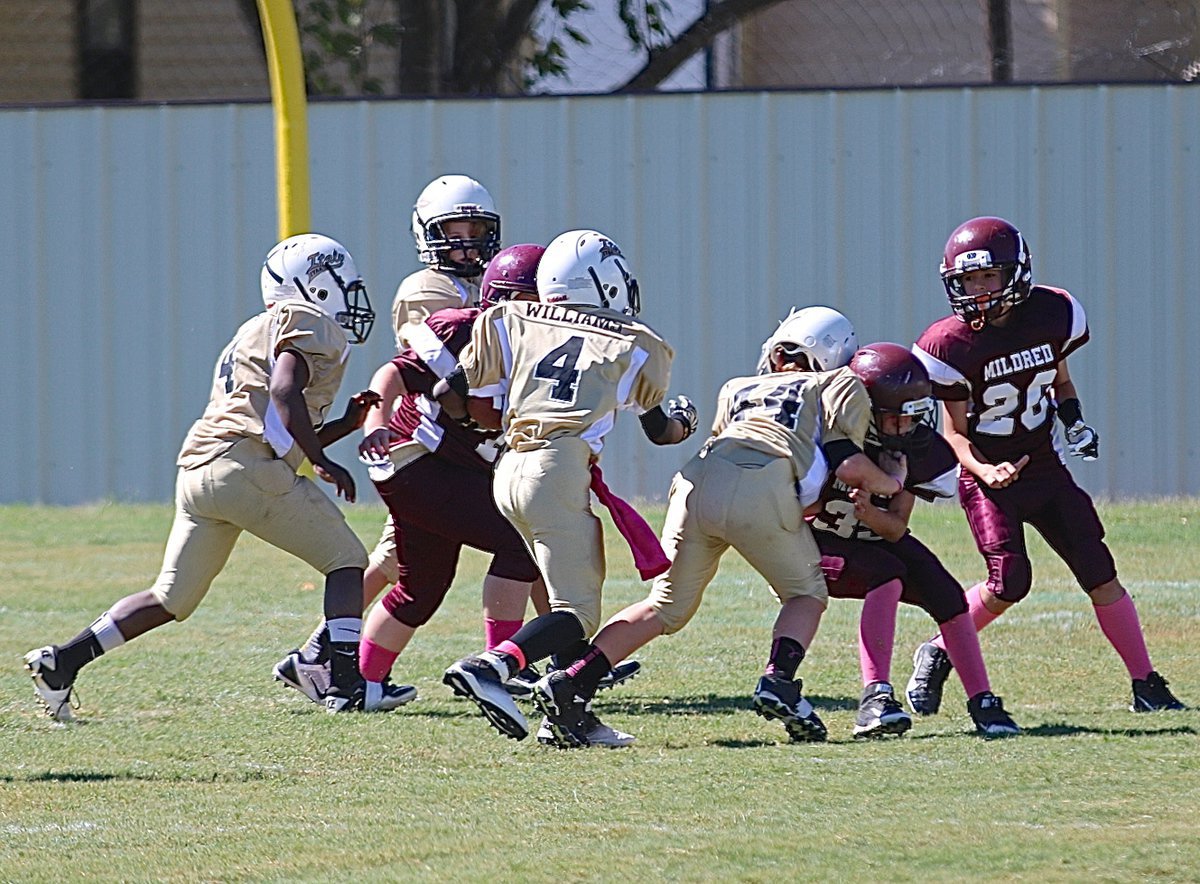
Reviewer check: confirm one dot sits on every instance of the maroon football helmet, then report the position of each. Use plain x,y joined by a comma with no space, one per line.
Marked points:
898,384
512,271
980,244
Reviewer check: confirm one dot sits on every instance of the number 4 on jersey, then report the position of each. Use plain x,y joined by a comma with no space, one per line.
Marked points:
225,366
558,366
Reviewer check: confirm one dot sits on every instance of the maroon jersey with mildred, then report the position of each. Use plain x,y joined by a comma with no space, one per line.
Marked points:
1006,374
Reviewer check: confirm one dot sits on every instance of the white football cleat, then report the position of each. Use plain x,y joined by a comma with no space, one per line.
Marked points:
480,678
56,700
599,735
310,679
383,696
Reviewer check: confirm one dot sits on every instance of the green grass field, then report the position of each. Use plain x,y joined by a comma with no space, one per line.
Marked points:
190,763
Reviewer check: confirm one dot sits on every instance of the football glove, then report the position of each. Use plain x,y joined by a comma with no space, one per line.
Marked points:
1083,441
682,409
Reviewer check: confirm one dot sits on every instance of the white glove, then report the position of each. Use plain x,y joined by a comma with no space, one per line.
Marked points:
1083,441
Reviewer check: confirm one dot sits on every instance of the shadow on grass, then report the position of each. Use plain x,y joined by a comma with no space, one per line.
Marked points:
70,776
91,776
1062,729
706,704
417,710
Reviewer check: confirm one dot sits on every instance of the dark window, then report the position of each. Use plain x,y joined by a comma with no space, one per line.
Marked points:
106,49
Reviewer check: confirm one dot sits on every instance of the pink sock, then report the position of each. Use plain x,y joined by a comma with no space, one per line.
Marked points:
980,615
496,631
1120,625
961,643
877,632
374,661
507,647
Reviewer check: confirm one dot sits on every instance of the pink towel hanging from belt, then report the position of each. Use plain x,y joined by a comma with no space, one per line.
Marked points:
648,555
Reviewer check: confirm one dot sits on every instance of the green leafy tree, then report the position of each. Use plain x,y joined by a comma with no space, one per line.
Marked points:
338,36
485,47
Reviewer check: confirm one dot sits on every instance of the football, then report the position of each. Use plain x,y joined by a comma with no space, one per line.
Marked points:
484,412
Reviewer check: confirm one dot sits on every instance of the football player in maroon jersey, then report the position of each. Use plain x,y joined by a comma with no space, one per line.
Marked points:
999,365
868,553
430,471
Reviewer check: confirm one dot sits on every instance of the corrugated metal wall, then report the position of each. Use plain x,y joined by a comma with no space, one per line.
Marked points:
135,237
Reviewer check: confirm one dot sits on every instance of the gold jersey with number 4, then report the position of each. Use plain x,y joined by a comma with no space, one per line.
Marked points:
566,371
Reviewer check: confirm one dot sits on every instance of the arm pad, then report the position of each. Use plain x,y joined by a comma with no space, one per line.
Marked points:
457,381
838,451
1069,412
654,423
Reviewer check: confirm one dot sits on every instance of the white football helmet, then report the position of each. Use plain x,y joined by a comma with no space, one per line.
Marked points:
821,334
318,270
455,198
586,267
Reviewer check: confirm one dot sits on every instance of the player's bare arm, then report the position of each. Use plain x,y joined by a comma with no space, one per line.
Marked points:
1064,387
288,380
357,408
992,475
890,523
859,471
378,438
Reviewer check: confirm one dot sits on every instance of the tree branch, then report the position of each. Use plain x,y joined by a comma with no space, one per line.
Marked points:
664,60
515,28
490,34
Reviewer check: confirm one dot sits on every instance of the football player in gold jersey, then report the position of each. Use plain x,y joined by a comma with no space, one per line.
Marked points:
456,230
272,386
775,439
566,364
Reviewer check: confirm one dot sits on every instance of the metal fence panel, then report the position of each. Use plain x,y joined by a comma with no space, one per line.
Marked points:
137,234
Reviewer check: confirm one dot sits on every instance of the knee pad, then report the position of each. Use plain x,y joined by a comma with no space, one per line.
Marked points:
586,615
1009,576
414,608
514,564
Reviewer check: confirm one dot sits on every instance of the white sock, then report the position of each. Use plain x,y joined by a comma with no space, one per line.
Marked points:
107,633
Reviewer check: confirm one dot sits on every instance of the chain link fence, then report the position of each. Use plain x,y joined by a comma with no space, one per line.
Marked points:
211,50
